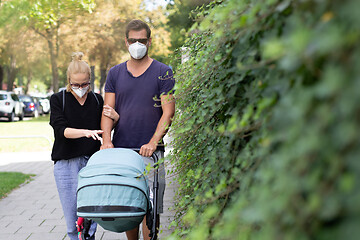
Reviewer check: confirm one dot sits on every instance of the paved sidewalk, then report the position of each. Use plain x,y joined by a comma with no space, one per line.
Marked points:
33,211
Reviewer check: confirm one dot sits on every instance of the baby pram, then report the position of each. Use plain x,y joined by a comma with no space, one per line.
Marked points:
113,191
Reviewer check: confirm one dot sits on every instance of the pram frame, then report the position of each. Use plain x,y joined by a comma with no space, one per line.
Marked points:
153,230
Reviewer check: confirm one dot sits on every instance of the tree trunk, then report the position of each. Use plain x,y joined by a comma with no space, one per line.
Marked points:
92,78
102,79
27,85
1,75
54,68
11,73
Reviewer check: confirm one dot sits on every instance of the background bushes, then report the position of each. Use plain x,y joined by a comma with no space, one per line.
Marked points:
266,141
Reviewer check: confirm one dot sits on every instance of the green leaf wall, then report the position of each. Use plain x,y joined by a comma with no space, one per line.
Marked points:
266,135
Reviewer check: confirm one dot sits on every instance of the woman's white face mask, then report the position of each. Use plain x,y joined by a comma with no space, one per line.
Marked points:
137,50
80,91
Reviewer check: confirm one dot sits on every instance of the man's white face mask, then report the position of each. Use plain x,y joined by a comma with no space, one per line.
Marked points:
137,50
80,91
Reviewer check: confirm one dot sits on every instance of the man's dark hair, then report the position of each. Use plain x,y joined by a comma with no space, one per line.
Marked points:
137,25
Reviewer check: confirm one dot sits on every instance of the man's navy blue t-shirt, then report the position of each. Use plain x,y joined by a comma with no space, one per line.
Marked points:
137,100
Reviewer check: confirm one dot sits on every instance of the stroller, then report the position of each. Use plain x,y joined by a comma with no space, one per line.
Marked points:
113,191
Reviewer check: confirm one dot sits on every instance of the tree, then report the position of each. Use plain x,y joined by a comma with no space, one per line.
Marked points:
21,52
1,76
161,37
54,29
45,18
181,17
100,35
10,50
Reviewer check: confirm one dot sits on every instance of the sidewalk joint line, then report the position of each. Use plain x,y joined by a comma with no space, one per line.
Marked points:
17,230
8,224
28,236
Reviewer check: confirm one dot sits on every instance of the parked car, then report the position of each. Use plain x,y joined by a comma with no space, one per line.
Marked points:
32,106
11,106
45,104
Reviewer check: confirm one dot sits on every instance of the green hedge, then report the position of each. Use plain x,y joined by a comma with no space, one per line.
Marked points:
266,141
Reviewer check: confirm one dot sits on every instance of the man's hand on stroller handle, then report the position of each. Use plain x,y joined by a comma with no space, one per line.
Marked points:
148,149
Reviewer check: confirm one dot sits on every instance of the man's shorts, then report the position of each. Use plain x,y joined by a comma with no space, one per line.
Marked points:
161,178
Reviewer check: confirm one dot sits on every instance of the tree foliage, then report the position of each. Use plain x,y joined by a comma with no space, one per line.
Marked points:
182,14
102,38
58,28
45,18
265,137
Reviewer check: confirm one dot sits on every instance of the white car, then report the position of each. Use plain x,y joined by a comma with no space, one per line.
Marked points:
11,106
45,103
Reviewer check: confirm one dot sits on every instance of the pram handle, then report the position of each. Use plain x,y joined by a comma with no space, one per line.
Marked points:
153,156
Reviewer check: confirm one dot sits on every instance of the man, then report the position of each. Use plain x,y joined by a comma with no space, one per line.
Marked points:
140,90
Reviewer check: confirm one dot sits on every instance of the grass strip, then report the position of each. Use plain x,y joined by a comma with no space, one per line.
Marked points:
33,127
11,180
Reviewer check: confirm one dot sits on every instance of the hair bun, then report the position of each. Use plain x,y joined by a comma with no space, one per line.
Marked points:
77,56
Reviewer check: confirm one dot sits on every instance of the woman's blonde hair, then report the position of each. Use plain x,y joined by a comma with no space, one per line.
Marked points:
77,65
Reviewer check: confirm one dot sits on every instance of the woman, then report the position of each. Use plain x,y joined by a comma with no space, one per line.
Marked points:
75,118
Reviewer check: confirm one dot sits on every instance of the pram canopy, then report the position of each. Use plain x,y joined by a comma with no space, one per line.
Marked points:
112,189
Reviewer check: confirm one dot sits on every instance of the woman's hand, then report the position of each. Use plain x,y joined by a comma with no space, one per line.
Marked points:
110,113
94,134
74,133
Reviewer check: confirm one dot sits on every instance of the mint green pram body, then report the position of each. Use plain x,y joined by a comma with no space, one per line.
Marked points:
113,190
